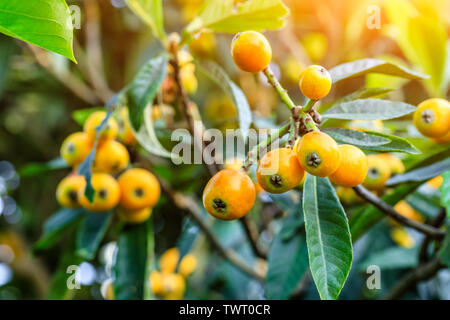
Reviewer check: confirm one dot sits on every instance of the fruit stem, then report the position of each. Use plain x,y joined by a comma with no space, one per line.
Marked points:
254,153
280,90
309,105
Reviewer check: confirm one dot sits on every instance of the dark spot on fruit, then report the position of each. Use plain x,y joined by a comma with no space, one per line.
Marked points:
313,160
72,194
102,193
219,205
139,192
276,180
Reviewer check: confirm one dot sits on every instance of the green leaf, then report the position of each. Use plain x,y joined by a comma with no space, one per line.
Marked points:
327,235
91,233
35,169
287,259
423,202
355,137
80,116
56,226
144,87
422,38
391,259
365,66
146,136
85,168
369,109
226,16
151,12
291,203
444,251
219,76
445,192
421,174
368,216
45,23
397,144
131,264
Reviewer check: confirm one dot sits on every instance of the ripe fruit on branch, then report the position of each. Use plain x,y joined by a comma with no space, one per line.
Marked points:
251,51
229,194
67,191
134,216
318,153
111,157
315,82
106,193
353,168
279,171
395,164
125,132
378,173
75,148
432,118
139,189
94,120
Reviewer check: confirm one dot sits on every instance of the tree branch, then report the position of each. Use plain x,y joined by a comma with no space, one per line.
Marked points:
421,273
436,222
252,234
391,212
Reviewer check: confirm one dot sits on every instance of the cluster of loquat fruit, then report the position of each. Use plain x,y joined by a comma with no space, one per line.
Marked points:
230,193
169,283
132,191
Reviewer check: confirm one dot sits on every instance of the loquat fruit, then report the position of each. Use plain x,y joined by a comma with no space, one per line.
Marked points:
251,51
139,189
352,169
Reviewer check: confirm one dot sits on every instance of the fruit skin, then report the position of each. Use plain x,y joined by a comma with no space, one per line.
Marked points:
125,132
169,260
318,153
315,82
174,286
187,265
407,211
67,191
233,163
134,216
348,195
445,139
435,182
156,282
432,117
279,171
75,148
94,120
106,195
402,237
140,189
353,168
396,165
229,195
251,51
378,173
111,157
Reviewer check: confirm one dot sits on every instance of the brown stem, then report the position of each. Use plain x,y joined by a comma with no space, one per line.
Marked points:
252,234
391,212
436,222
420,273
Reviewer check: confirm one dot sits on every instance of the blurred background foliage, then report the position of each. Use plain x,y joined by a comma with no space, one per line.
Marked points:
39,92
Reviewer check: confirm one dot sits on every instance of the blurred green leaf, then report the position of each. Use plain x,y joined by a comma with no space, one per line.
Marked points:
355,137
80,116
219,76
7,50
144,87
365,66
421,174
56,226
397,144
35,169
131,264
369,109
328,237
151,12
423,204
229,17
45,23
445,192
291,203
444,251
287,259
391,258
91,232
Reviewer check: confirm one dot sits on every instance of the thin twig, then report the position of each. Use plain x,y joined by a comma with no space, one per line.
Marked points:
94,50
420,273
436,222
252,234
190,205
277,86
391,212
